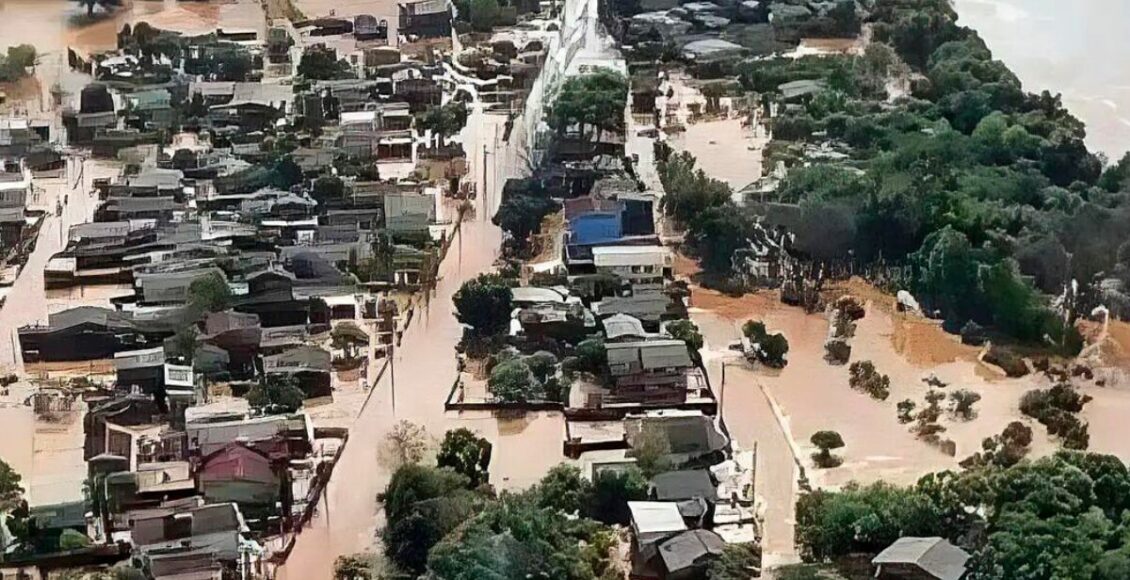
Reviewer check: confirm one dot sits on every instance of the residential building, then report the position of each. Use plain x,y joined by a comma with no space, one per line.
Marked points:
648,372
913,558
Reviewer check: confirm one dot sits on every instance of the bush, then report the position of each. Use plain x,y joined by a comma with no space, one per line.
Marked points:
688,332
1056,408
512,381
837,351
484,303
962,402
905,410
864,377
276,394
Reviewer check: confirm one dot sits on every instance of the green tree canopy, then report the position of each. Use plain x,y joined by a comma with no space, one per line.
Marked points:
484,303
467,454
276,394
594,100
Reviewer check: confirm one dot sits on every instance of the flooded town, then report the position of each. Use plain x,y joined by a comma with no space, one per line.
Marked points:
563,289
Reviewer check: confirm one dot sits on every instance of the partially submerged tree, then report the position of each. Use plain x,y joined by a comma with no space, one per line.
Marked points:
407,442
210,293
444,120
826,441
467,454
512,381
484,303
595,100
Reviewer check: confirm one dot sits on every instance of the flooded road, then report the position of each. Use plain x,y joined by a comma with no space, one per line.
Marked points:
424,371
1079,49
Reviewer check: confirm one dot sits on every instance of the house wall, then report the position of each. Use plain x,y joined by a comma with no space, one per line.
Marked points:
595,228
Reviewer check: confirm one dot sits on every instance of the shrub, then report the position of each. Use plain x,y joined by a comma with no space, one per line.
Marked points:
862,376
905,410
962,402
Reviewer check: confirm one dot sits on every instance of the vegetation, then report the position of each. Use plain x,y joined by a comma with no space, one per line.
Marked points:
14,65
652,451
353,567
826,441
1055,517
210,293
1056,408
738,562
986,194
1004,450
484,303
321,63
466,454
440,526
686,331
512,381
276,394
770,349
594,100
862,376
406,443
962,403
445,120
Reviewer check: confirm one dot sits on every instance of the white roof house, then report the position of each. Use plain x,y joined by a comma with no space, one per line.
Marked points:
655,520
628,256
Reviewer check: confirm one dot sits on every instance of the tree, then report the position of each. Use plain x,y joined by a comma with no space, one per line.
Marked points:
612,489
963,401
422,504
276,394
521,215
686,331
826,441
407,442
564,489
596,99
353,567
445,120
689,192
286,173
484,15
412,483
320,63
467,454
484,303
543,365
652,450
72,540
590,357
773,350
11,492
862,376
512,381
210,293
737,562
328,188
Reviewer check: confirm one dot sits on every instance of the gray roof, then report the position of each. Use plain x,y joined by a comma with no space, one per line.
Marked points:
303,358
535,295
649,354
793,89
686,549
623,325
680,485
935,556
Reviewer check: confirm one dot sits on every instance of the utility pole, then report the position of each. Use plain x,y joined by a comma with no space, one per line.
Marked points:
486,188
392,363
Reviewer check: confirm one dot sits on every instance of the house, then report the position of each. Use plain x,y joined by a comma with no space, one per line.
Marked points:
117,428
623,328
653,521
310,365
693,436
408,212
648,308
15,184
136,208
592,221
425,18
911,558
46,163
88,333
141,370
243,474
645,268
648,372
208,433
210,535
683,556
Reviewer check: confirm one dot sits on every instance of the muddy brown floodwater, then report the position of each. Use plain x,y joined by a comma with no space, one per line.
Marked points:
812,395
525,447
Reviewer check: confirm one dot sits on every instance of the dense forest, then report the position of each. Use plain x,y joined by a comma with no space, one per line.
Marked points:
983,194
